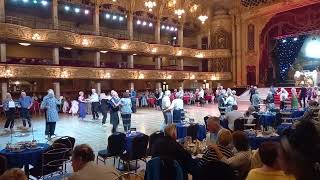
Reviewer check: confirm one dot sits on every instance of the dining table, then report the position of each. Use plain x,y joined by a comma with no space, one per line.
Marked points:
182,130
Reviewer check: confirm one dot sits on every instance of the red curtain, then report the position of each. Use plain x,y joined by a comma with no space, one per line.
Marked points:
294,22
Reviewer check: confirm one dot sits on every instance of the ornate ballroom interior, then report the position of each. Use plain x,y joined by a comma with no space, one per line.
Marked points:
117,44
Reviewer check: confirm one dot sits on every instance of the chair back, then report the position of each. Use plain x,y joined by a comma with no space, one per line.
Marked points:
239,124
153,138
3,164
163,168
53,161
116,143
139,147
67,141
128,175
192,131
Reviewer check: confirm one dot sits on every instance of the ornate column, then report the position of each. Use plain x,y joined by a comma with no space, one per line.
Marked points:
199,41
96,21
56,88
55,19
3,52
180,36
2,11
130,62
4,89
97,59
130,25
157,32
98,87
234,40
238,51
179,64
55,55
210,65
158,62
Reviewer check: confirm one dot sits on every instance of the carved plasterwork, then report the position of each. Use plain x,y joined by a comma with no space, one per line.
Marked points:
63,72
63,38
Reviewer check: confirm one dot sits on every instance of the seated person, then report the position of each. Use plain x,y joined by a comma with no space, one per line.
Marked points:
214,129
167,146
232,116
241,159
224,141
268,152
85,168
249,114
13,174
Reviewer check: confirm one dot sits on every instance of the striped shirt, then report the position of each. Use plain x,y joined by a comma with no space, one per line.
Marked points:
211,155
240,159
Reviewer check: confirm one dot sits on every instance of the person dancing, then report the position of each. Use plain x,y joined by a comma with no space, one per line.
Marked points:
82,106
9,108
165,105
49,104
94,99
114,108
105,104
25,103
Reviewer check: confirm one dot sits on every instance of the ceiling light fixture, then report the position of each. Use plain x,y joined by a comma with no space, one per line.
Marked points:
76,10
121,18
108,16
179,12
86,11
144,23
25,44
67,8
114,17
138,22
44,3
150,24
203,18
150,5
67,48
134,54
103,52
163,27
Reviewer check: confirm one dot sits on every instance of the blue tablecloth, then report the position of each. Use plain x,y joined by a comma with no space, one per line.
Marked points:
297,113
24,158
182,131
256,141
129,140
267,119
281,128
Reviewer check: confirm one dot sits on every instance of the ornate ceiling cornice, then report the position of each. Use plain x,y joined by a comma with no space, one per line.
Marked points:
64,38
64,72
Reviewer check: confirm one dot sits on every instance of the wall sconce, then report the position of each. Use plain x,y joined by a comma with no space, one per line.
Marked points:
192,76
124,46
36,37
200,55
65,74
169,76
25,44
141,76
213,78
154,50
85,42
179,53
107,76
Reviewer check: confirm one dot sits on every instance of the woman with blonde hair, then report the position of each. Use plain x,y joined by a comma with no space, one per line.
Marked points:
9,107
13,174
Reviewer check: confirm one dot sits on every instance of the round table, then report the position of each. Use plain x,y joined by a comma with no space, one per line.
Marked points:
267,119
182,129
25,157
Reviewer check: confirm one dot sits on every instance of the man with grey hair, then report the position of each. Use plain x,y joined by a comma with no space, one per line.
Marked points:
165,105
94,99
25,103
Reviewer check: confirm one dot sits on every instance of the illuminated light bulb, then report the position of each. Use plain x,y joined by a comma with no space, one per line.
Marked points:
138,22
67,48
108,16
175,29
35,1
25,44
44,3
167,28
144,23
150,24
114,17
67,8
76,10
163,27
172,29
121,18
25,1
103,52
86,11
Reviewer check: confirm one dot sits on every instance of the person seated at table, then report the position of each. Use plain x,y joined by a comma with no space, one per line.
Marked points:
232,116
241,159
299,150
177,109
214,129
270,101
85,168
268,152
167,146
13,174
224,144
250,115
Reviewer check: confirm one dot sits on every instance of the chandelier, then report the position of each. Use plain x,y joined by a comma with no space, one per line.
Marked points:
179,12
150,5
203,18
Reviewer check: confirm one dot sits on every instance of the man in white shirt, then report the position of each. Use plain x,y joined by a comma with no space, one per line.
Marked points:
165,105
232,116
85,168
177,107
201,96
94,99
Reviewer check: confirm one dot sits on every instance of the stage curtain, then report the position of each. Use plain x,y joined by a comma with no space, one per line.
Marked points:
286,52
294,22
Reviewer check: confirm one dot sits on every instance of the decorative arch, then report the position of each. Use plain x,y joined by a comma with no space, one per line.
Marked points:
294,22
